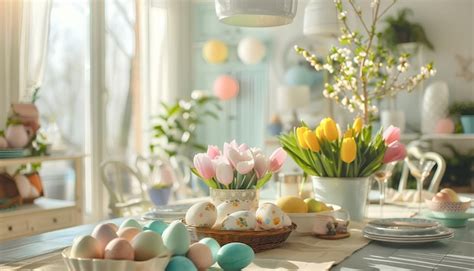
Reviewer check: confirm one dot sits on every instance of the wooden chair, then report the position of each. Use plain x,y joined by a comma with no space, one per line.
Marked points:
127,191
415,149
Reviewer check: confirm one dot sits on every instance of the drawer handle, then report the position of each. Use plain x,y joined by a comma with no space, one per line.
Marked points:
10,228
55,220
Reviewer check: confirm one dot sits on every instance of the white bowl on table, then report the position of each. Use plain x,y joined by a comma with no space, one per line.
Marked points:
81,264
449,207
305,221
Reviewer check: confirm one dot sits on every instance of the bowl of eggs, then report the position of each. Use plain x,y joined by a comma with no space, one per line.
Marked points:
313,216
265,228
128,247
448,201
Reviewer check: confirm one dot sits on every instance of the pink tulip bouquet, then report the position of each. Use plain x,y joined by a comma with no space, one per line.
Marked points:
237,167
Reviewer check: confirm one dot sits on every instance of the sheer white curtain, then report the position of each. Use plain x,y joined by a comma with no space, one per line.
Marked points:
24,27
165,54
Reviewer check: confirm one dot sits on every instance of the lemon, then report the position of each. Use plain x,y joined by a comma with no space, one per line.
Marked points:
292,204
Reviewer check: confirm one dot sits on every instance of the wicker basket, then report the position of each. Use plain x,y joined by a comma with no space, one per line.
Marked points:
258,240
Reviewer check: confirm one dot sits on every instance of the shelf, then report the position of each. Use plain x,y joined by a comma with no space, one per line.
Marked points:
448,137
37,159
39,205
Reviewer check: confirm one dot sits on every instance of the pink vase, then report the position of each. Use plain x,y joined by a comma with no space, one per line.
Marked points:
16,136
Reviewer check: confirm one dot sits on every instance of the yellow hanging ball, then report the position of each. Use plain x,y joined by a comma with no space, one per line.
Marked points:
215,52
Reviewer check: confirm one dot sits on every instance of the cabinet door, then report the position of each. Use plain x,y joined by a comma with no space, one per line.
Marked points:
52,221
14,227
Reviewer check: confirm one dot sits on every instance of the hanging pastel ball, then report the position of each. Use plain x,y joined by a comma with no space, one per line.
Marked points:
226,87
180,263
251,50
215,52
200,255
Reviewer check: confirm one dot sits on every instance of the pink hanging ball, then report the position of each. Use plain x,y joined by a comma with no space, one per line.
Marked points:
226,87
445,126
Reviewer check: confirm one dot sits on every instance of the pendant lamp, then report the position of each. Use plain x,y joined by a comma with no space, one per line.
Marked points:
320,19
256,13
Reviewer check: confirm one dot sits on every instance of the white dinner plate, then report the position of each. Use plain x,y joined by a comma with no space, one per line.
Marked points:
439,232
407,241
404,226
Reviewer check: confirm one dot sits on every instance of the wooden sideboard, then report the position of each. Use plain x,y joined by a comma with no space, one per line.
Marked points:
44,214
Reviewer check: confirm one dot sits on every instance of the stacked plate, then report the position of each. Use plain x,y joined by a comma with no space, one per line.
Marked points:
406,230
13,153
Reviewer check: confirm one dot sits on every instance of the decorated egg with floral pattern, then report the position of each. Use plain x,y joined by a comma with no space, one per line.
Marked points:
240,221
202,214
230,206
269,216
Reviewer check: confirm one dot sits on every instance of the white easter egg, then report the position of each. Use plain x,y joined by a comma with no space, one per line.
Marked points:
240,221
228,207
269,216
202,214
286,220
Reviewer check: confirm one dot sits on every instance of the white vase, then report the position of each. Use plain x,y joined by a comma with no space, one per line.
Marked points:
248,198
435,106
393,117
349,193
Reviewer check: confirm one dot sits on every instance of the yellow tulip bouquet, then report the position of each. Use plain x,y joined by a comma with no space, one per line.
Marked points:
327,152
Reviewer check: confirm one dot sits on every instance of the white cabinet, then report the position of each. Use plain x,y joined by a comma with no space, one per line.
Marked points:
44,214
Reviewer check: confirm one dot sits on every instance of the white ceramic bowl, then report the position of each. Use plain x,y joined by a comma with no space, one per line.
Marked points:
305,221
449,207
79,264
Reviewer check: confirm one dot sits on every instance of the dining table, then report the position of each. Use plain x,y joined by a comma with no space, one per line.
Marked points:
43,251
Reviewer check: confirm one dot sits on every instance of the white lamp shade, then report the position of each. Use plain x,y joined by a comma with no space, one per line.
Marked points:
251,50
292,97
320,19
256,13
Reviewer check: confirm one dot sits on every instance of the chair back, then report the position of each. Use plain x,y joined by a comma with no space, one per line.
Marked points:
414,149
127,191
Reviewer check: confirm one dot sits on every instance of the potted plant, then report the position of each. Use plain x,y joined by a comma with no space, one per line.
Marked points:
237,173
341,164
465,112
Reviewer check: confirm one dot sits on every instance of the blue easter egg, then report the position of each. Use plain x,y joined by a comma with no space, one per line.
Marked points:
180,263
213,246
158,226
176,238
235,256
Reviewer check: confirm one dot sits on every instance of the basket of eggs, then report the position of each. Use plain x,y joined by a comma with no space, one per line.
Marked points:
266,228
450,209
155,246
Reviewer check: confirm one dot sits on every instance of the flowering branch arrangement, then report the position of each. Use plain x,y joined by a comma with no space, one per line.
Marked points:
362,69
326,152
238,167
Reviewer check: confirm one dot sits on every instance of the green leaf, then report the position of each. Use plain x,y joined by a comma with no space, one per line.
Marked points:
264,180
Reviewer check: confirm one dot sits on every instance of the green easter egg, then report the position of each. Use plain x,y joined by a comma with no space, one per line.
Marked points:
235,256
176,238
130,222
180,263
157,226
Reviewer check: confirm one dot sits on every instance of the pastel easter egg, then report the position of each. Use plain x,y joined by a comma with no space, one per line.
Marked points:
202,214
235,256
286,220
86,247
240,221
104,233
180,263
176,238
228,207
213,246
269,216
113,225
200,255
157,226
147,245
119,249
130,222
128,233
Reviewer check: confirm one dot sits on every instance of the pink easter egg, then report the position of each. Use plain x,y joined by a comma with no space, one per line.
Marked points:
200,255
226,87
128,233
445,126
119,249
104,233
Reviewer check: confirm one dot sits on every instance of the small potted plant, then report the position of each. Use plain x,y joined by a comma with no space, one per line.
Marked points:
237,173
341,164
465,112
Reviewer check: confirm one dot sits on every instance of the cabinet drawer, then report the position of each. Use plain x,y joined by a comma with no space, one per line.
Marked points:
51,221
14,228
